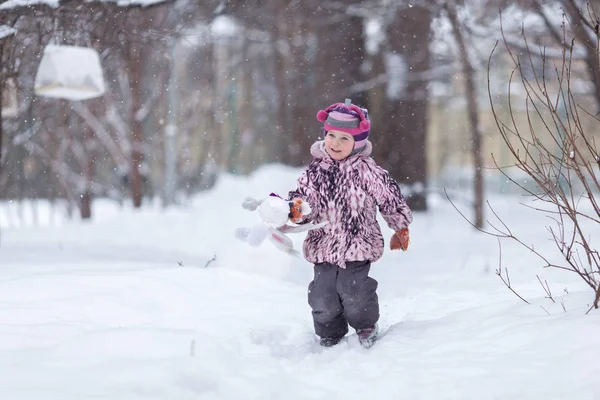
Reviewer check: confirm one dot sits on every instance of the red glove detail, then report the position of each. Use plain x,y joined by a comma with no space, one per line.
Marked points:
296,210
400,240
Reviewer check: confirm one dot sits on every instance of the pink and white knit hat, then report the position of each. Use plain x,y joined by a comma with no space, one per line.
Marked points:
349,118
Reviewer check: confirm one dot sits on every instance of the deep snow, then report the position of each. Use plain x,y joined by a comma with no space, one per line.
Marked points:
154,304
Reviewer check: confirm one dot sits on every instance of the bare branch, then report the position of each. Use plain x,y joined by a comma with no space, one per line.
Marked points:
561,159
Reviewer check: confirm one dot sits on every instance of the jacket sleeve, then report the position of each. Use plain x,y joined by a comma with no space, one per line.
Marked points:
303,191
386,192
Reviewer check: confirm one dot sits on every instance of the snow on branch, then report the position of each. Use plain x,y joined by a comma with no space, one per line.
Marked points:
101,133
6,31
56,3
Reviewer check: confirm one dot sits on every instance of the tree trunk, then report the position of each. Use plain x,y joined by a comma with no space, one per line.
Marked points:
340,57
399,110
137,135
339,62
473,112
300,99
3,79
282,126
85,206
90,144
2,84
246,143
171,131
585,36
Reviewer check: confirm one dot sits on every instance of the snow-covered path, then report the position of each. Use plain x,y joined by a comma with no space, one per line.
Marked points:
127,308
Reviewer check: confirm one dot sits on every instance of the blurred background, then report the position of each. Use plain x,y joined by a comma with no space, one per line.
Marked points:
195,89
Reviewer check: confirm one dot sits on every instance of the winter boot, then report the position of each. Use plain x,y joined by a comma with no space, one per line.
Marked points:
330,341
368,336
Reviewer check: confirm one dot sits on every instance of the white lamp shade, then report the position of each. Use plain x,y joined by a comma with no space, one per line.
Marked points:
69,72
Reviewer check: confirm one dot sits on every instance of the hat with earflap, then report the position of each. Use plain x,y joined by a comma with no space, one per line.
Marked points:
349,118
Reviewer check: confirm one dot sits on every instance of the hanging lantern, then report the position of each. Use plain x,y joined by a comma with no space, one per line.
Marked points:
69,72
10,108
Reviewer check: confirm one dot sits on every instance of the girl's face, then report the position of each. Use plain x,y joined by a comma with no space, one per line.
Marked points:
338,144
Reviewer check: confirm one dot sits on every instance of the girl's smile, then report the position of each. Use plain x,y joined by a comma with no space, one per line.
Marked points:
338,144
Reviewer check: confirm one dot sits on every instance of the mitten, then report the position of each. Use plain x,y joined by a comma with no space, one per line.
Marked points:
298,209
400,240
254,236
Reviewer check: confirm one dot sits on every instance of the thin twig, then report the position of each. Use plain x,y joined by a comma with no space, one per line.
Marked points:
553,150
211,260
546,288
507,280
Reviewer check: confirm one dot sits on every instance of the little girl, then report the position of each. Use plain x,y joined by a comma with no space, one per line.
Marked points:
344,186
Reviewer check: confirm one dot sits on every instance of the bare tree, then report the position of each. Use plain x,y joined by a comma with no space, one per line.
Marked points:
469,73
107,138
7,74
581,20
134,46
561,158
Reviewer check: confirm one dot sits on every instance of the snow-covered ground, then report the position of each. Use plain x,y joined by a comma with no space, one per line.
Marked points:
157,304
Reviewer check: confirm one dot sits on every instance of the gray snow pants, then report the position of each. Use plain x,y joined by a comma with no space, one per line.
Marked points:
339,297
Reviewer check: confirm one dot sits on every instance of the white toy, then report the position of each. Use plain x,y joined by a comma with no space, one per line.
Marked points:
275,214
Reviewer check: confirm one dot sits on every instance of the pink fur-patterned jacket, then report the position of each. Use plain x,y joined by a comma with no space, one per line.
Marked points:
347,193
